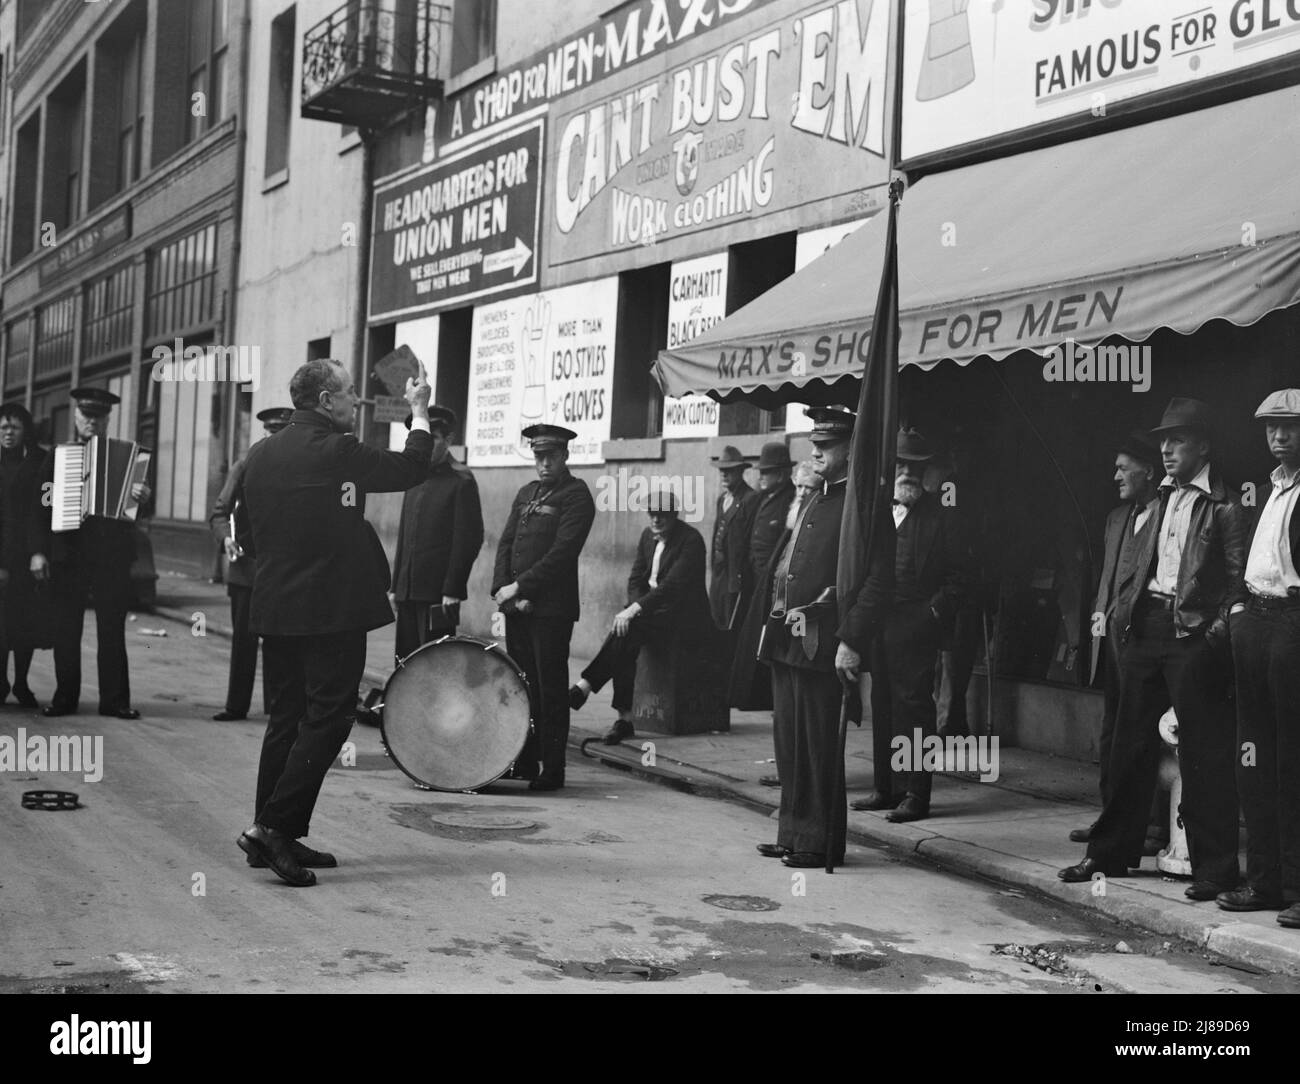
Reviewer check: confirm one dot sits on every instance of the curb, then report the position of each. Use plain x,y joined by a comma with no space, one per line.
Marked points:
1273,950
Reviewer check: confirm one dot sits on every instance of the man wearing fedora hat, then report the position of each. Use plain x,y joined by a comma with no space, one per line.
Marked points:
731,581
665,598
93,561
933,570
438,539
1137,472
1266,651
535,584
240,572
750,687
1175,651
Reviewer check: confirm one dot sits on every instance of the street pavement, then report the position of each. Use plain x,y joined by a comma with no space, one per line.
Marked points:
615,883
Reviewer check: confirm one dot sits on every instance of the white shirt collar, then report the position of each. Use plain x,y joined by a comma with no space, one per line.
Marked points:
1201,481
1279,478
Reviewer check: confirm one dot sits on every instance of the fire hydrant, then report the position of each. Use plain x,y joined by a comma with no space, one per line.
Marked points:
1175,858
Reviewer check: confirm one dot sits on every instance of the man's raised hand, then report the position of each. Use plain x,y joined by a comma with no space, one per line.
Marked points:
417,394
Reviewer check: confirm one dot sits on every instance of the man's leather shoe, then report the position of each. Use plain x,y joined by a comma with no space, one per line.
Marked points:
1247,899
576,697
228,716
307,858
1086,869
772,850
525,770
769,780
120,713
51,711
273,848
1290,917
804,860
1204,890
910,809
546,782
877,801
1082,835
26,697
619,732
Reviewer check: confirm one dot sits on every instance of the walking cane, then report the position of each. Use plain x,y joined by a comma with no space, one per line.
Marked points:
837,765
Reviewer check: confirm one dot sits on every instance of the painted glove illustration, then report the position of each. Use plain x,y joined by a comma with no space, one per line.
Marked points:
532,350
948,63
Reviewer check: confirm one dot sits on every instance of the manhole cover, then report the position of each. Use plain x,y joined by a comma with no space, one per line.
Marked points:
742,903
486,822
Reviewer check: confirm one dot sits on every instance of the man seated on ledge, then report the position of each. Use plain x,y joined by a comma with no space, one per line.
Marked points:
666,597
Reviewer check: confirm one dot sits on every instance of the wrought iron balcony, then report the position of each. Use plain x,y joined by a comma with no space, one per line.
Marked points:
372,59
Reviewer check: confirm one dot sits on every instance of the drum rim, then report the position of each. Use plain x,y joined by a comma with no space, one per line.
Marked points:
488,646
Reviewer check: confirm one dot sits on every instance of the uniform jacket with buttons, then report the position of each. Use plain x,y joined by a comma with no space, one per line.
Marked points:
540,544
321,568
811,572
439,536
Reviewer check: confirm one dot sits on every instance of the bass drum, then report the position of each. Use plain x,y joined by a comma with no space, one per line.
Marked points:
456,714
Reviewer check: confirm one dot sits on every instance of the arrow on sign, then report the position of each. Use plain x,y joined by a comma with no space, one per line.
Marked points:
514,258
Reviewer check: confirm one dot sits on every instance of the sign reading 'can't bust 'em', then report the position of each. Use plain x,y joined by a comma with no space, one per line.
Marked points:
464,228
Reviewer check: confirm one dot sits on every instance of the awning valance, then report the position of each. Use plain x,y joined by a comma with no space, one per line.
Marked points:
1166,224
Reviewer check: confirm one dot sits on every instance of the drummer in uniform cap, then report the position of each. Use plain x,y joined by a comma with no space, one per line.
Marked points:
802,644
240,570
535,583
93,561
438,539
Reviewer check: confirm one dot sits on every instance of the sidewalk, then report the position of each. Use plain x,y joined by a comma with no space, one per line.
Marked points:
1013,830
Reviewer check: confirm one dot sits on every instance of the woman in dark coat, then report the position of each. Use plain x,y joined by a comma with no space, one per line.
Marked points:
21,460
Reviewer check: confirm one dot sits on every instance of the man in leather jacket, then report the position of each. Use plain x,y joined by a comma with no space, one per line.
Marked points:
1176,652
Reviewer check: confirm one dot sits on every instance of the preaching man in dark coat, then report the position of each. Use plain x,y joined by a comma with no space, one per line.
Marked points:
438,539
321,585
240,572
808,647
535,583
665,599
732,578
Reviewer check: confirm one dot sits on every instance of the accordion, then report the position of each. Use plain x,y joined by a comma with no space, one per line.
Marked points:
96,479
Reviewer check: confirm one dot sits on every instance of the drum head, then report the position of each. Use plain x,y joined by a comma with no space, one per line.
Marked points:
456,714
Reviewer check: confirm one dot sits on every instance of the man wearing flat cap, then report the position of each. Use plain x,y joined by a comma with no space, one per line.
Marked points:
731,575
751,683
93,561
229,524
535,584
933,572
803,642
1138,470
1175,651
1266,651
665,599
438,539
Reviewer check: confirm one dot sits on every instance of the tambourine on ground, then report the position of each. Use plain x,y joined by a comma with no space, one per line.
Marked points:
456,714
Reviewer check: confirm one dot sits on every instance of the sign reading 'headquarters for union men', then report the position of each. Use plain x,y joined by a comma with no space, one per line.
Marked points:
461,229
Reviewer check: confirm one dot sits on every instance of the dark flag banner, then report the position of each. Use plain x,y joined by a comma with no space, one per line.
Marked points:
871,454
